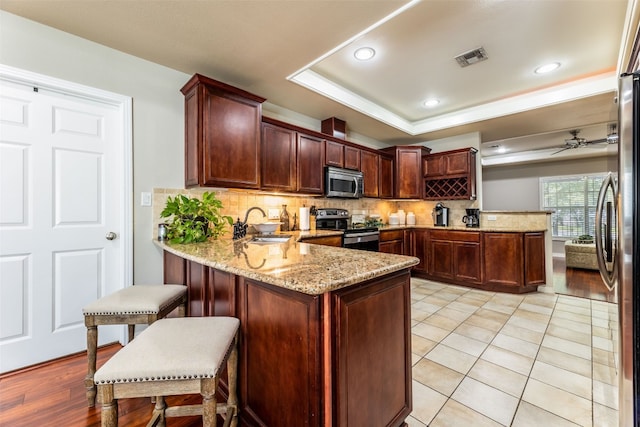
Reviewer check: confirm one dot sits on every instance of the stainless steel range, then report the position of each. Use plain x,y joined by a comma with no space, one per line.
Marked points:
354,237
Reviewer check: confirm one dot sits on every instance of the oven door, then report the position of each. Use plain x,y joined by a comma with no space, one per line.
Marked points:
367,241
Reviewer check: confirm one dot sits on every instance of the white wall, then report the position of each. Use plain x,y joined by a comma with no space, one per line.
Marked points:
158,118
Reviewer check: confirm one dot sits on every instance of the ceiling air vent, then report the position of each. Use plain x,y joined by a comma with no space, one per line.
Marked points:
471,57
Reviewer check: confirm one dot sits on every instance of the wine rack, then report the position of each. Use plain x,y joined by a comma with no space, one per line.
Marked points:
449,189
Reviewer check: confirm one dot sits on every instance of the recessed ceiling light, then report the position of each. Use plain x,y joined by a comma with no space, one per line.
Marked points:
364,53
547,68
431,102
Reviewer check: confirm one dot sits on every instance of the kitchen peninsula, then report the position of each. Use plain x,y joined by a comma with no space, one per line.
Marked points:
325,331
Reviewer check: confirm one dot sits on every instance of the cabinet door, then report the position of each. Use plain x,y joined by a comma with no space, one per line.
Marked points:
467,265
433,166
441,259
420,240
408,183
503,259
309,164
457,163
385,189
369,166
351,158
534,259
278,158
334,154
231,141
222,135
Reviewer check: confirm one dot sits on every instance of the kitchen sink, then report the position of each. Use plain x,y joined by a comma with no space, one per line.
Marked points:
269,239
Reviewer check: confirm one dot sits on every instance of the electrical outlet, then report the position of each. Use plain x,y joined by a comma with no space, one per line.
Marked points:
273,214
491,217
145,199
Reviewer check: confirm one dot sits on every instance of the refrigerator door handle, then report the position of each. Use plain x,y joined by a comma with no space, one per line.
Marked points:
608,272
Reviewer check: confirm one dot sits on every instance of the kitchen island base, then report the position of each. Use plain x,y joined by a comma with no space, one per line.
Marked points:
340,358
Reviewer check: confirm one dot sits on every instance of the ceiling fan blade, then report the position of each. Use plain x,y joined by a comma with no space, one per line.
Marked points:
598,141
560,151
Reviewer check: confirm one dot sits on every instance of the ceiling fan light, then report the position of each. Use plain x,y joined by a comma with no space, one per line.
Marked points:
364,53
547,68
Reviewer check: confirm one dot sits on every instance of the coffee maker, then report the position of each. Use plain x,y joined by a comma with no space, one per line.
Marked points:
440,215
472,218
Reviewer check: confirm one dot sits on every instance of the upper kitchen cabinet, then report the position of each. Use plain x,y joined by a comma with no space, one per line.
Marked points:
407,170
370,165
278,158
292,159
351,157
309,164
385,186
450,175
334,154
222,135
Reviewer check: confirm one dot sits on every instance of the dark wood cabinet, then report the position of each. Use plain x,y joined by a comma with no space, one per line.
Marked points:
324,240
506,247
369,165
420,241
278,158
455,255
450,175
534,259
392,242
407,167
351,157
306,360
334,154
291,161
309,164
385,186
222,135
497,261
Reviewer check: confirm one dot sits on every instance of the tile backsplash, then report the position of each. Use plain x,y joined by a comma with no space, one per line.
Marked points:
237,202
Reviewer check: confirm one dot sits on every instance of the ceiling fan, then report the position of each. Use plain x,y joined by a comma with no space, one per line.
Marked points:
577,142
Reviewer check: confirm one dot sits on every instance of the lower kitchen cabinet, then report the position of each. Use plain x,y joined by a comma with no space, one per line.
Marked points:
455,255
308,360
324,240
499,261
392,241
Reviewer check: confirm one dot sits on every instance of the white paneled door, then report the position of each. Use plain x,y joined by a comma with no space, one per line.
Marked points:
62,179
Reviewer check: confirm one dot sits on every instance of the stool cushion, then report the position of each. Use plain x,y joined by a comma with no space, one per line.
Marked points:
172,349
138,299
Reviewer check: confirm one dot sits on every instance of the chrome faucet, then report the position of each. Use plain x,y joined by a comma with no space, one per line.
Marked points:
240,227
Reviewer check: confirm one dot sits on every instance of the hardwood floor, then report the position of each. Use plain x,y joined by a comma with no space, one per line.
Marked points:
579,282
53,394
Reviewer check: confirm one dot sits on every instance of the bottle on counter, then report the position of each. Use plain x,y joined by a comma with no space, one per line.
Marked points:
401,217
284,219
411,218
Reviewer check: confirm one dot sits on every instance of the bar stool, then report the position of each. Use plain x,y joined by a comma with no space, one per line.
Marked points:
135,305
174,356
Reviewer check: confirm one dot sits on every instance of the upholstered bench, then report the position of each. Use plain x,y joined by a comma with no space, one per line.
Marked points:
135,305
174,356
580,255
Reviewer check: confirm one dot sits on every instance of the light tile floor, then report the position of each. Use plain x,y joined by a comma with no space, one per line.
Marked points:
493,359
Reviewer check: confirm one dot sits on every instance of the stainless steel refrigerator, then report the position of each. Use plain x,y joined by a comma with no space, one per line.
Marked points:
617,246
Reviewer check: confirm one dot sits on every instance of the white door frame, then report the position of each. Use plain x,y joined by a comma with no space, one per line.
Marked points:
124,105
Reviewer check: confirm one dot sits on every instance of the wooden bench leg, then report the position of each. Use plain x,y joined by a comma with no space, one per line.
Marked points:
232,372
92,346
159,418
109,415
209,404
132,332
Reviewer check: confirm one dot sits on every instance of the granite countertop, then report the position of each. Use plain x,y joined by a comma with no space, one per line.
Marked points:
303,267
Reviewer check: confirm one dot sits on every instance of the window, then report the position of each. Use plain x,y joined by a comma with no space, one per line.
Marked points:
573,200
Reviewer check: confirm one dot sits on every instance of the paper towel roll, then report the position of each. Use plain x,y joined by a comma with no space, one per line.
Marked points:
304,219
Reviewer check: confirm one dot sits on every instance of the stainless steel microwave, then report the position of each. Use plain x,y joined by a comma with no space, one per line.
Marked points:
343,183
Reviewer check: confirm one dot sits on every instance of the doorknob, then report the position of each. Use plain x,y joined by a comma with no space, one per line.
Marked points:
111,235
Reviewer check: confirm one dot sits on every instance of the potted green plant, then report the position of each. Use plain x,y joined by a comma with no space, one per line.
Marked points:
194,220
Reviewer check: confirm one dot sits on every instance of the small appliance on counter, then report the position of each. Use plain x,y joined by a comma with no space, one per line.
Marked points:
440,215
472,218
